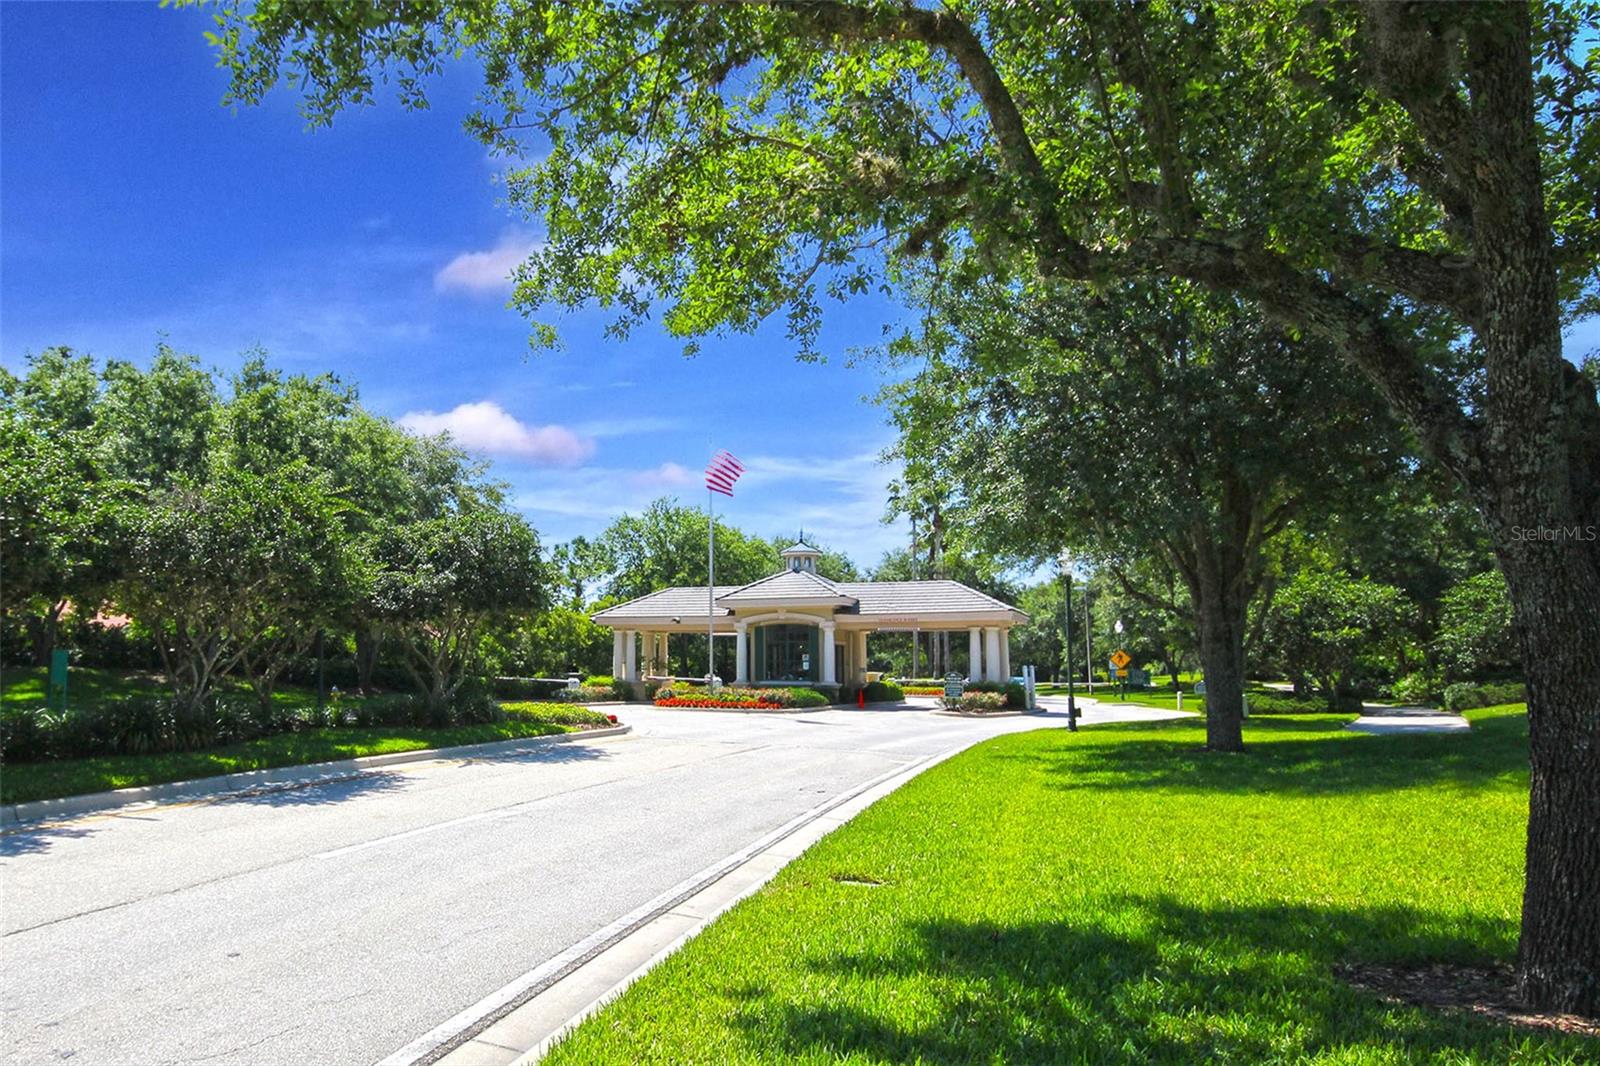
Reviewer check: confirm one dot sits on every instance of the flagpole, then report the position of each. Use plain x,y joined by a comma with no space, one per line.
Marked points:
711,590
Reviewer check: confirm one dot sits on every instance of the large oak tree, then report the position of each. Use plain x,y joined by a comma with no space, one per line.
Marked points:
1341,164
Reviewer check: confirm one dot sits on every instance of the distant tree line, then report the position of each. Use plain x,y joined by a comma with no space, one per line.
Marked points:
229,521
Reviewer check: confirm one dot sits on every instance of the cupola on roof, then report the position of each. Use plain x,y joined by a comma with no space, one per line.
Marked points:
801,556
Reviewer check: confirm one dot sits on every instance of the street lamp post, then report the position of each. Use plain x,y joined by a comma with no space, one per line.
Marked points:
1066,645
1122,677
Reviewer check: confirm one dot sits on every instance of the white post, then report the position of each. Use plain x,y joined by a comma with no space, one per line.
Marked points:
975,653
740,647
619,663
829,673
711,590
1005,655
861,657
991,654
631,652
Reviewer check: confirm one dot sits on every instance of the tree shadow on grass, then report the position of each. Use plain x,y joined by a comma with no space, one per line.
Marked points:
1331,760
1152,980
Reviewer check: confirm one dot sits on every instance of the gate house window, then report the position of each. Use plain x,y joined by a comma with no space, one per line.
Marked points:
790,654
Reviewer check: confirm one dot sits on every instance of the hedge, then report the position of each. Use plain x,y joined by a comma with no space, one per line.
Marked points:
753,698
1464,696
883,692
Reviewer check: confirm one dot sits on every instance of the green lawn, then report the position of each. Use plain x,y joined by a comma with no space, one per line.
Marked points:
1117,895
22,782
85,685
91,686
1162,696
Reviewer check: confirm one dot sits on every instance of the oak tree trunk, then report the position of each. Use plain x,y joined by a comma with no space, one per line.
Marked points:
368,640
1558,628
1220,609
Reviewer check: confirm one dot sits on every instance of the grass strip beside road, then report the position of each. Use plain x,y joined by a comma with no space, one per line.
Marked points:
1118,895
24,782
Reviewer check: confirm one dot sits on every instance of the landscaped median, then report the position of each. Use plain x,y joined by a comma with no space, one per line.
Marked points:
738,699
1118,895
51,779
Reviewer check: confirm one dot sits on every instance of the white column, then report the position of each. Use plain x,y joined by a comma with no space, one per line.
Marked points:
631,653
991,654
861,657
1005,655
975,653
618,662
830,675
741,672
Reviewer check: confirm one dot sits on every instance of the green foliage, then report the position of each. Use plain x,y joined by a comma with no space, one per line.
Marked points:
439,583
1475,634
1013,693
1326,623
883,692
665,545
68,777
1413,688
979,701
1463,696
552,643
785,697
222,569
554,714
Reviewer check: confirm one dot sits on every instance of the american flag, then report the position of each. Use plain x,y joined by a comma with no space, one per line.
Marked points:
723,470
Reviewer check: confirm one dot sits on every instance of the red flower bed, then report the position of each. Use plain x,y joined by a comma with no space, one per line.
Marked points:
690,701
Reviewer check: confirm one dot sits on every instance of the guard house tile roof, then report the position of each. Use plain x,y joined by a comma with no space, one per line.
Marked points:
684,601
791,586
900,598
799,547
920,597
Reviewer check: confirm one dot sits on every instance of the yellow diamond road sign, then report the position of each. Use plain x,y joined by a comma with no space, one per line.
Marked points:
1121,658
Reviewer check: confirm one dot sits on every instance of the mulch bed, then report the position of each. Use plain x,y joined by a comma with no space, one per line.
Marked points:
1489,992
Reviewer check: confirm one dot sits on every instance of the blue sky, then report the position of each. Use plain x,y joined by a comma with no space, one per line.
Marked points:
134,206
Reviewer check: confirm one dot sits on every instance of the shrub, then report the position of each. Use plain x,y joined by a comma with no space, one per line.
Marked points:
1464,696
25,733
526,688
884,692
980,702
1015,695
752,698
924,690
1287,703
1413,688
554,713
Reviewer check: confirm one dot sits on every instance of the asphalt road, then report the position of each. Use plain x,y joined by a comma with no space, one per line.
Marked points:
335,923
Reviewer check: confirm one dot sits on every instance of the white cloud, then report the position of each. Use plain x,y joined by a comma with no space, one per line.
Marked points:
486,272
488,427
665,476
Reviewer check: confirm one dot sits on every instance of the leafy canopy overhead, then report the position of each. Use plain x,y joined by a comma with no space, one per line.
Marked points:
736,159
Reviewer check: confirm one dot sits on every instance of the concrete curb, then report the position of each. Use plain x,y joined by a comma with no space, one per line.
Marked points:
281,777
521,1022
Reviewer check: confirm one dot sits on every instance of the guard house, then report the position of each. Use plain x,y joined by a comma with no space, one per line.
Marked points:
798,628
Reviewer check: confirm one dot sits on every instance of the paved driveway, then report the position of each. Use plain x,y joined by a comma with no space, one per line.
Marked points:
335,923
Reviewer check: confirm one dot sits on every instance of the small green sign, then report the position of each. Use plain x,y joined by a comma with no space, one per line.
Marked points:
56,694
